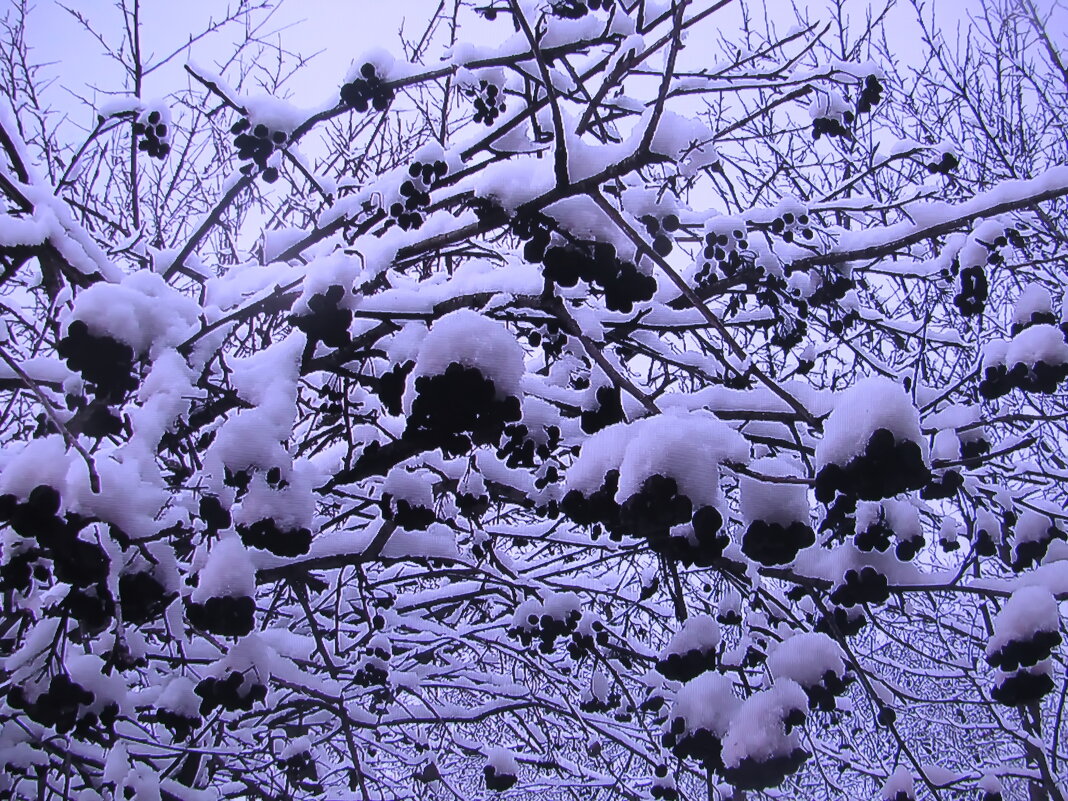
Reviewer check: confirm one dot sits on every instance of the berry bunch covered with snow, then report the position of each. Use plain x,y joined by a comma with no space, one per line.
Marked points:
367,89
1025,633
464,388
691,651
872,447
777,511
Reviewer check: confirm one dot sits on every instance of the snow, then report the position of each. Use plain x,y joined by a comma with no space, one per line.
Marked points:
707,702
1032,526
276,114
805,658
1039,343
698,633
990,783
900,781
502,761
946,446
179,697
870,404
142,311
686,447
290,507
416,487
227,573
1035,299
107,687
1028,610
770,501
473,340
901,517
757,729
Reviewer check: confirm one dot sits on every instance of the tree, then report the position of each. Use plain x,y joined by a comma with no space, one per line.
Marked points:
619,411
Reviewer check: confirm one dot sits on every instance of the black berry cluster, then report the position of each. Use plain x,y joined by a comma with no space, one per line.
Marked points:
907,548
458,408
181,726
761,774
406,514
729,617
886,717
549,625
590,701
78,562
985,543
1022,687
887,467
1026,652
790,226
701,745
656,507
974,290
775,543
597,264
550,337
833,126
498,780
472,502
609,410
686,665
877,535
871,95
93,607
821,695
105,363
839,621
864,586
598,509
660,229
944,486
142,598
268,535
229,693
520,449
1031,551
390,387
654,703
1040,377
415,194
367,91
326,321
255,144
63,706
155,136
577,9
299,768
215,516
832,288
225,615
724,251
373,669
663,787
944,165
488,99
21,568
533,228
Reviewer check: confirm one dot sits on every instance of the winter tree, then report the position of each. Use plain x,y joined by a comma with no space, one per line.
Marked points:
582,399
